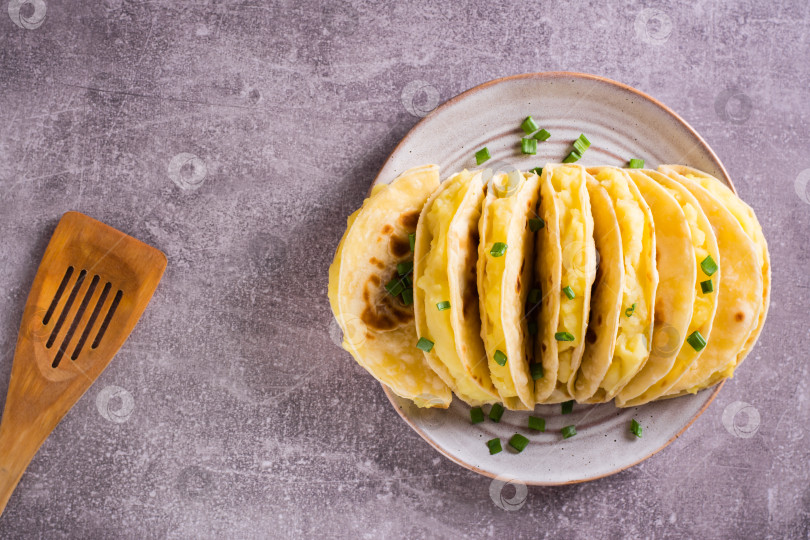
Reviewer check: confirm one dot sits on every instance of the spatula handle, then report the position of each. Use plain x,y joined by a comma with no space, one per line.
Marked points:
16,452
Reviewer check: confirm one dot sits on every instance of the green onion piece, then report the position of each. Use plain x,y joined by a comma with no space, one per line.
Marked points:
500,358
409,280
696,340
568,407
636,164
476,415
407,297
708,265
496,412
564,336
535,224
529,126
568,432
542,135
537,170
412,240
482,155
518,442
536,369
569,292
706,286
404,268
537,424
535,295
635,428
629,311
441,306
498,249
494,446
395,287
573,157
582,144
533,328
528,146
424,344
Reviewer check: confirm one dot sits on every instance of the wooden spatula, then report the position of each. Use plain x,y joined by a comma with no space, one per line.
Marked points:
90,290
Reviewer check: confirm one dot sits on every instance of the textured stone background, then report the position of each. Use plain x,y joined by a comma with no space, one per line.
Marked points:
231,412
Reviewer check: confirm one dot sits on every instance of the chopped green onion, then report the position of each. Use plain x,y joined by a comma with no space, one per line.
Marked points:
395,287
568,432
409,280
636,164
635,428
573,157
708,265
542,135
535,295
529,126
412,240
582,144
496,412
569,292
404,268
424,344
494,446
564,336
568,407
629,311
518,442
537,170
441,306
536,369
498,249
407,297
476,415
500,358
533,328
696,340
706,286
528,146
537,424
482,155
535,224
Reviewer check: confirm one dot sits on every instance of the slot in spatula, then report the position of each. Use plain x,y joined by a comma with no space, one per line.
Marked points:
92,286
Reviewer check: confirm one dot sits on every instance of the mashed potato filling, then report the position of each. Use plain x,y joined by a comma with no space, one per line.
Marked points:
631,342
498,218
566,182
436,288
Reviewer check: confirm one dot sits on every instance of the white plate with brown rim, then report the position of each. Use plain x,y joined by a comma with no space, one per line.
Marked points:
621,123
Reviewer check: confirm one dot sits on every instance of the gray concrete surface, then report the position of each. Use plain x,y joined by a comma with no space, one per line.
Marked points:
236,137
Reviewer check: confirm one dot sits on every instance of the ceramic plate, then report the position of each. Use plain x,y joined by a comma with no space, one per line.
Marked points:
621,123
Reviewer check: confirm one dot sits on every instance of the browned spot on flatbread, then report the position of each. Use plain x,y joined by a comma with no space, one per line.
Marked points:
409,220
739,317
382,311
378,263
399,246
590,336
387,228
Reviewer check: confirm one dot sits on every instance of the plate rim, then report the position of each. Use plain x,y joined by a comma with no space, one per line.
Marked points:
725,177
